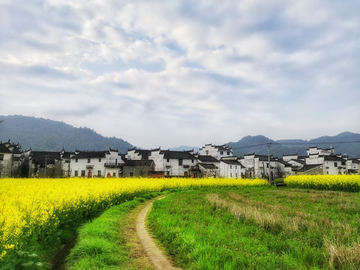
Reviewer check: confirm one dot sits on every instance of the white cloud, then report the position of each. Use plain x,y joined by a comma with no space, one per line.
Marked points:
179,72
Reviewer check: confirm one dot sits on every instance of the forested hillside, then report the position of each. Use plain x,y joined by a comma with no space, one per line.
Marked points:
344,143
48,135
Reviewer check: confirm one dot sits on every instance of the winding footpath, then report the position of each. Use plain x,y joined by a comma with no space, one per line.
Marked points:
155,254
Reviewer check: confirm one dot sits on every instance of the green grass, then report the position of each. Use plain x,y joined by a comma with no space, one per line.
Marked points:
259,228
101,244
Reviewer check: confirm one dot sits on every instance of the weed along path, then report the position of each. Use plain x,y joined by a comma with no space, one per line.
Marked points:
155,254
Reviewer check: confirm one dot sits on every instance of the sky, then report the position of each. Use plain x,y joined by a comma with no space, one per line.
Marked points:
170,73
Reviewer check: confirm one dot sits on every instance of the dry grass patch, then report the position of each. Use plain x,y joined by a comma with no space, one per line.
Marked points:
342,257
277,217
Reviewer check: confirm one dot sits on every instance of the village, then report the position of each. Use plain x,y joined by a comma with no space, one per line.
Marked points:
210,161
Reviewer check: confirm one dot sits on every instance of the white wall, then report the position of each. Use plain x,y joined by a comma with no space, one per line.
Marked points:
5,165
230,170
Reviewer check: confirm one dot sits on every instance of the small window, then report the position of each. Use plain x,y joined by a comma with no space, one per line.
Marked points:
99,173
1,156
131,174
76,173
76,160
180,162
89,160
99,159
82,172
236,169
335,164
221,152
168,160
228,153
230,166
207,152
343,163
192,161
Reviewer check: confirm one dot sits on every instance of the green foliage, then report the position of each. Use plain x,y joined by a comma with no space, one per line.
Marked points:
47,135
23,260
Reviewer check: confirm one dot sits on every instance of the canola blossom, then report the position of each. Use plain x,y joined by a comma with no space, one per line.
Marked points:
41,209
349,183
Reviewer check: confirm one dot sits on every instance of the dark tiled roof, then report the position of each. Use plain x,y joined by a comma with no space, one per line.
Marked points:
17,149
284,163
299,161
207,166
4,149
90,154
168,154
139,163
231,162
223,148
266,158
309,167
208,159
354,160
333,158
144,153
67,155
42,157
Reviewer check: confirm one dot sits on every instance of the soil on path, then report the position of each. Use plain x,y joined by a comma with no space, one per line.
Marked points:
159,260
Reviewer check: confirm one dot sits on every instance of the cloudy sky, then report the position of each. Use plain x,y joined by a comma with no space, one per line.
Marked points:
170,73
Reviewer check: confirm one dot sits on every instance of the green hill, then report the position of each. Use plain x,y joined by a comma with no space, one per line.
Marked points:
47,135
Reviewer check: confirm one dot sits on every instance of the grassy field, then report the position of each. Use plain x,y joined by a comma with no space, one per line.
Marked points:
260,228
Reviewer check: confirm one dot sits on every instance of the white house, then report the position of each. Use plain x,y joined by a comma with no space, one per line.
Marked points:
287,158
217,151
208,165
352,166
334,165
173,163
230,167
258,166
296,164
6,159
96,164
320,151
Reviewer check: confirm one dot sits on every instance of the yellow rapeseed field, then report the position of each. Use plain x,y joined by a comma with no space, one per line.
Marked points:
350,183
41,209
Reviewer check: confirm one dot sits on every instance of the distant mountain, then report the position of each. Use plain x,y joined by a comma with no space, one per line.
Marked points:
48,135
185,148
343,143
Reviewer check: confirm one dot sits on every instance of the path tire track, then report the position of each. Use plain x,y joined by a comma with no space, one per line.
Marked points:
155,254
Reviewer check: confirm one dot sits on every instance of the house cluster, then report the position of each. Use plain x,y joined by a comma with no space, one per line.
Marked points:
210,161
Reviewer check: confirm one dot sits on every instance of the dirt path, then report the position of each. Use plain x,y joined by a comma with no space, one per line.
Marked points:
155,254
